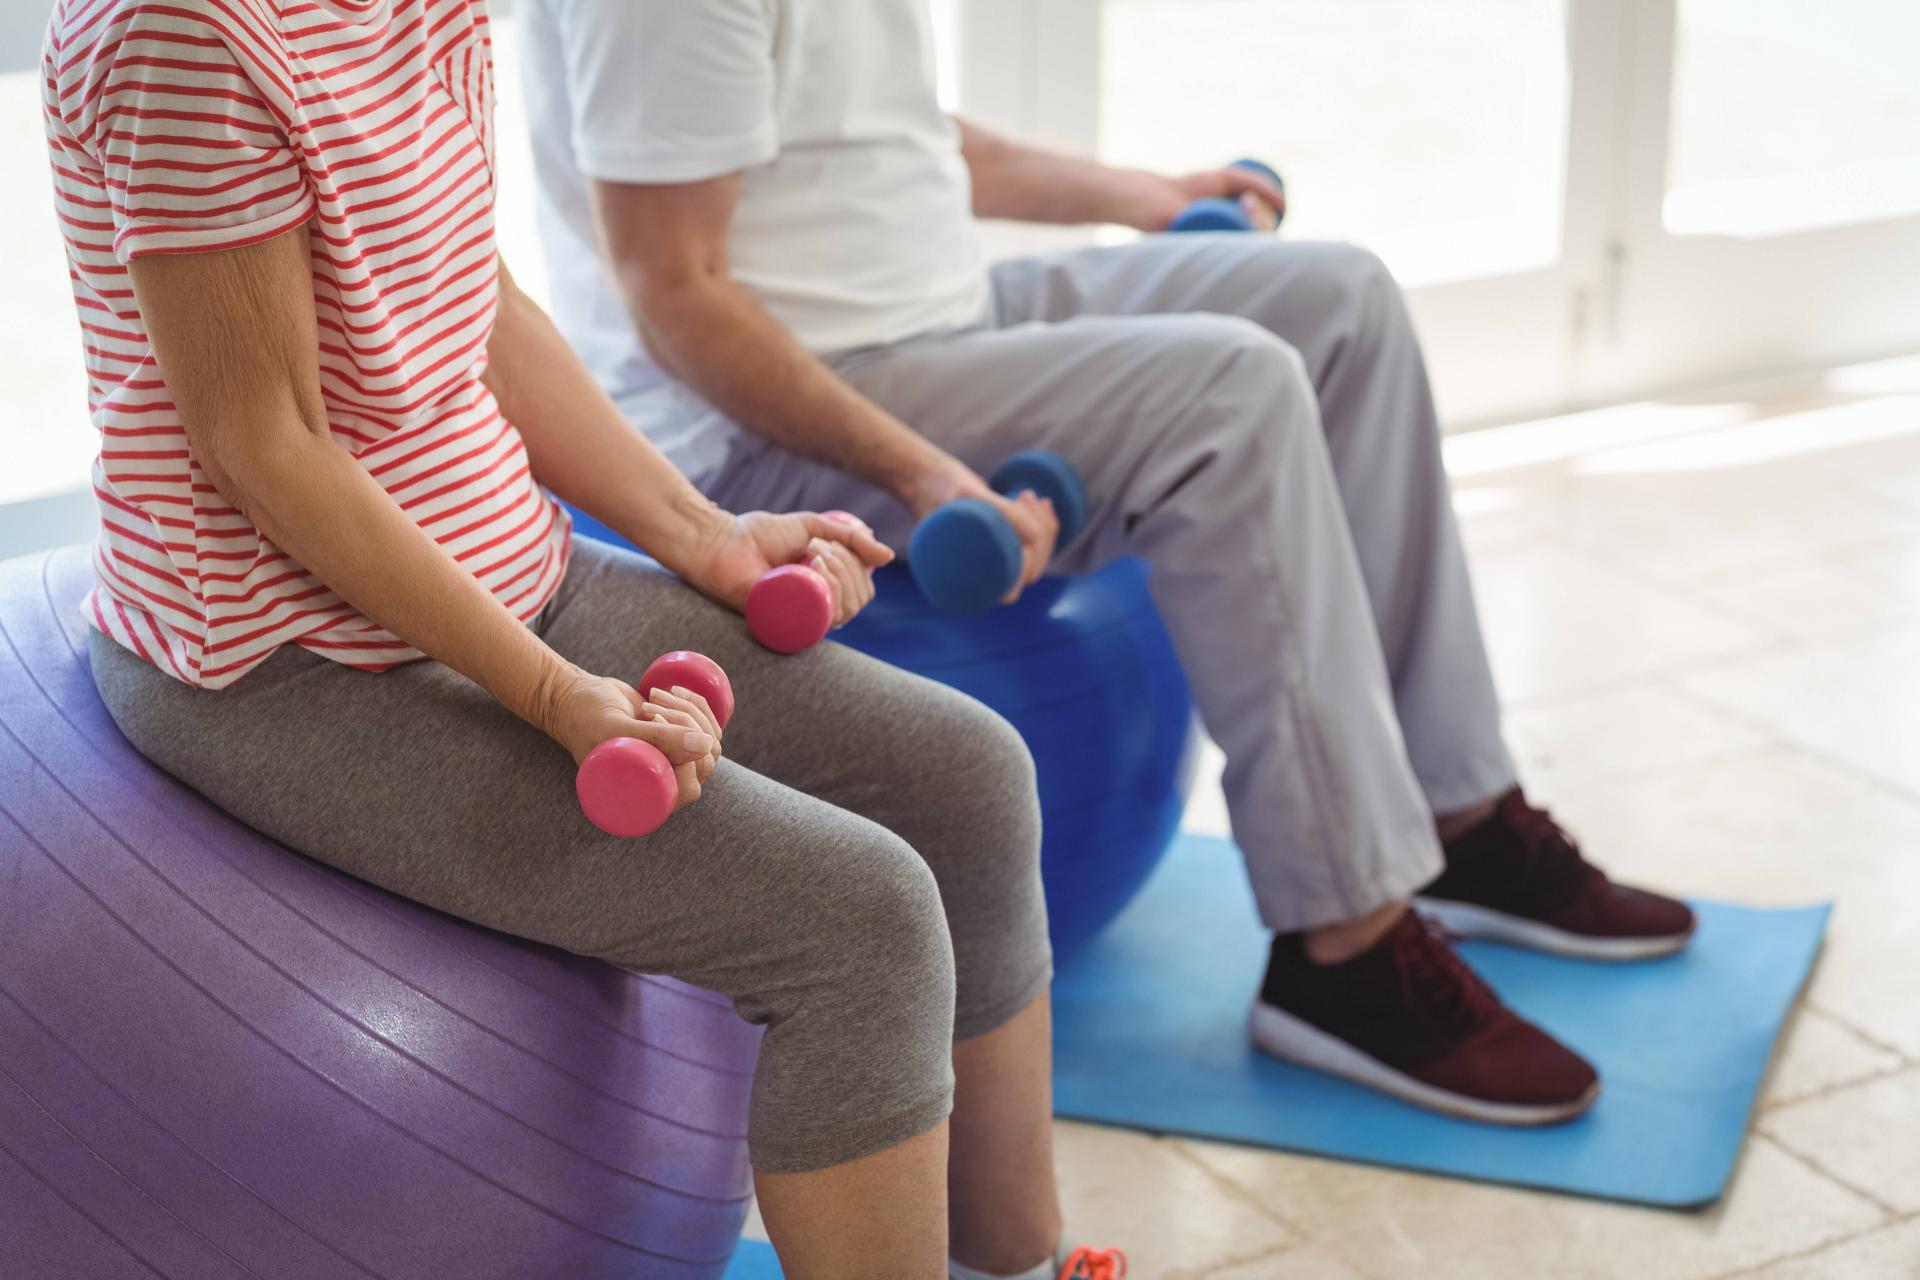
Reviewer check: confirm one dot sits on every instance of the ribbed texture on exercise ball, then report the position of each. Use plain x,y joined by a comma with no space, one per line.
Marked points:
221,1060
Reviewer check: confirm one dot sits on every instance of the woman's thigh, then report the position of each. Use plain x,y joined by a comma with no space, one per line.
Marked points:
416,780
936,768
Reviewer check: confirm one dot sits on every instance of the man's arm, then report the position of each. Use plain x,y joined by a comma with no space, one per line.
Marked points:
666,245
1028,183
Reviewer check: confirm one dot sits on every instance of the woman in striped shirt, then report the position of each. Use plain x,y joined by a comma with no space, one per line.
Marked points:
335,596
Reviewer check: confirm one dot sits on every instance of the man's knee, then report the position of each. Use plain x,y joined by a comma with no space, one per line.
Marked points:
1255,387
1354,284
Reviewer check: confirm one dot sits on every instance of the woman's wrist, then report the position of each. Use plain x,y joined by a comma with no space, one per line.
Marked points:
695,528
536,696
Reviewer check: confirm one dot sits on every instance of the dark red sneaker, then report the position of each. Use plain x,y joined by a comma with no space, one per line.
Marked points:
1519,878
1409,1018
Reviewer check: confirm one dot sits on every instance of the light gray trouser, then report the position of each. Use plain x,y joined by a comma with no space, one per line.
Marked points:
861,873
1253,417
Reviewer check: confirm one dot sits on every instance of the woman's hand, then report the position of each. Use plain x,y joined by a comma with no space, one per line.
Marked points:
1151,201
844,553
582,711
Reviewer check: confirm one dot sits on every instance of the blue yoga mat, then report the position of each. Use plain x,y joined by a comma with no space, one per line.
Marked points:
754,1260
1150,1034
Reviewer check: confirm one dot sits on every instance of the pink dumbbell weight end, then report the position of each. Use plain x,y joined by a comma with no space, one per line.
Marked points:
791,608
626,786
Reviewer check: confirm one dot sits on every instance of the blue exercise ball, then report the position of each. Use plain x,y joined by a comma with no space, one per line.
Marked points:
1084,669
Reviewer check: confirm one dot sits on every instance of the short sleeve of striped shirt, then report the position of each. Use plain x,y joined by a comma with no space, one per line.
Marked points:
183,111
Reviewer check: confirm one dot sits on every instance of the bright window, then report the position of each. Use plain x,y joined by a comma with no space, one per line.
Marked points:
1433,133
1789,115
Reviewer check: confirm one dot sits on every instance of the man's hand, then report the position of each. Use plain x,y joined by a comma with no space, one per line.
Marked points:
747,546
1032,517
1151,201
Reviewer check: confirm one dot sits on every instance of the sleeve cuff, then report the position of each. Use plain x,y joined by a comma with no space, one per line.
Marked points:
140,239
711,159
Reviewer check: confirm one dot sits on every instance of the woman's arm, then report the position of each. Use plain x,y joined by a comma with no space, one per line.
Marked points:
1027,183
235,337
585,450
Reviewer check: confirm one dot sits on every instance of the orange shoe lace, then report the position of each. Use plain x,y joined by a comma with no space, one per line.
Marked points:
1095,1264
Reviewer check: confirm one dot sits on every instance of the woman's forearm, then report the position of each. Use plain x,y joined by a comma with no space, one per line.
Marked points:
234,333
310,497
583,448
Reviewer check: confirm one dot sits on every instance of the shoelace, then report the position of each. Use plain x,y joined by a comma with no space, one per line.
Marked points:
1095,1264
1433,976
1551,854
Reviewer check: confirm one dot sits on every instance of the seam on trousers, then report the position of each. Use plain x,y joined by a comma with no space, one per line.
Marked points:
823,1152
1000,1014
1313,761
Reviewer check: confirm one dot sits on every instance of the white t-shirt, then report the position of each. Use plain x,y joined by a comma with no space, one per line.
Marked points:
854,225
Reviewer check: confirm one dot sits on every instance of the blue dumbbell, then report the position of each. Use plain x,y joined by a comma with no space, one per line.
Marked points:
1219,213
966,557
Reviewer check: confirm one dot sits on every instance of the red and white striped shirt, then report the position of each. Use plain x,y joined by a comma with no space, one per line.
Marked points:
198,125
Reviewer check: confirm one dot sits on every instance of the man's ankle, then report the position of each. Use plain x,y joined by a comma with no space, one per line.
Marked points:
1461,821
1342,940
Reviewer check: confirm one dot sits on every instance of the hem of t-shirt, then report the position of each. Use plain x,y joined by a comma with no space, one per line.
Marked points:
680,164
144,239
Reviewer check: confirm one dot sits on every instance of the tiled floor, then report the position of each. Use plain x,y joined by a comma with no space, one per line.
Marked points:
1706,620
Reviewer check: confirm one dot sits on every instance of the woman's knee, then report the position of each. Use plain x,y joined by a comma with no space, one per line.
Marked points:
858,1055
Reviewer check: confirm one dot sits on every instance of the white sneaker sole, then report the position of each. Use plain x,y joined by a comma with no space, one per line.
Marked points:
1465,920
1280,1034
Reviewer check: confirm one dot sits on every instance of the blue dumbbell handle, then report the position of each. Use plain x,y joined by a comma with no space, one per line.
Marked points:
966,556
1222,213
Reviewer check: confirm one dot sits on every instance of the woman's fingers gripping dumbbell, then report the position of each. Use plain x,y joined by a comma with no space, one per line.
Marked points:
849,577
688,777
683,707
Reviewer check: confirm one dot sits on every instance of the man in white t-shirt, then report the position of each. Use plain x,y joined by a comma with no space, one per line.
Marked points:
761,230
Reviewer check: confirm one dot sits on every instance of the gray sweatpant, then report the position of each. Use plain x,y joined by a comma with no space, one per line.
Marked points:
1252,416
861,874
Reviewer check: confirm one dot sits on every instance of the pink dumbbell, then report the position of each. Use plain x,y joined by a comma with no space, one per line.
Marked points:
791,608
626,786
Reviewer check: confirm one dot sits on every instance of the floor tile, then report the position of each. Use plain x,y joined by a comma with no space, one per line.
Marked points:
1174,1219
1559,622
1395,1225
1826,597
1867,1136
1310,1262
1819,1053
1778,828
1207,806
1684,525
1633,732
1891,1253
1857,700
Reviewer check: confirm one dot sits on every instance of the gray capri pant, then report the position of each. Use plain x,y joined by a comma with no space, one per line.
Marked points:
861,874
